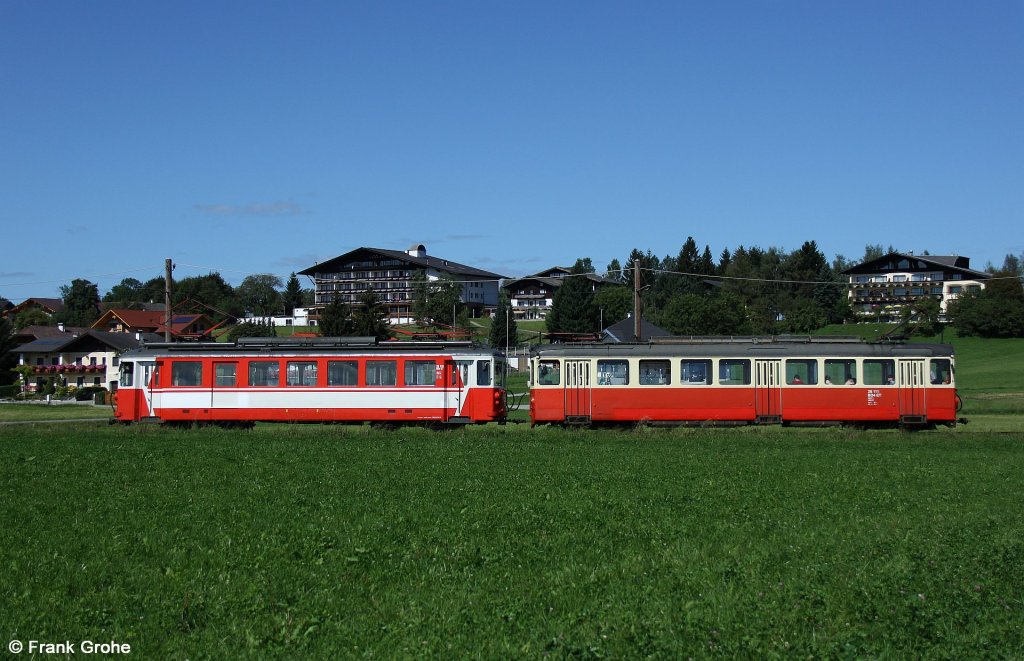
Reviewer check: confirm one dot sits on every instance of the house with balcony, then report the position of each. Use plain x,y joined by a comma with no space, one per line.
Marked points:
531,297
391,273
79,360
881,288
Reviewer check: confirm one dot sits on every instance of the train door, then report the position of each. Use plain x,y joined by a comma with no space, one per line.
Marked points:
456,383
768,390
912,389
148,368
225,375
578,402
135,392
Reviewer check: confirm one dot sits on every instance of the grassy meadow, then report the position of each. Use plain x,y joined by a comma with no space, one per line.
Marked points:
336,541
333,541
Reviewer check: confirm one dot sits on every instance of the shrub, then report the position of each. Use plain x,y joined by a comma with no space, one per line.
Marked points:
88,392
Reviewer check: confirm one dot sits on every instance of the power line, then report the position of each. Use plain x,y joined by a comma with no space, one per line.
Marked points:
87,277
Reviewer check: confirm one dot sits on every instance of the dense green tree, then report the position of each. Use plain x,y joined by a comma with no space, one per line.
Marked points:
923,317
802,267
252,329
1013,265
7,356
614,271
649,265
369,317
81,303
874,251
997,311
723,262
420,298
840,264
435,301
504,332
803,317
212,291
572,308
129,290
336,319
32,316
293,297
706,263
260,294
714,314
153,289
830,296
614,303
987,316
585,265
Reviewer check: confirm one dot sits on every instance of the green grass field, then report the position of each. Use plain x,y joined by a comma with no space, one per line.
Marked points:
500,542
38,411
332,541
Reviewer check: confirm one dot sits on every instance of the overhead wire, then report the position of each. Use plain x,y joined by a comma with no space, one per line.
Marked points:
607,275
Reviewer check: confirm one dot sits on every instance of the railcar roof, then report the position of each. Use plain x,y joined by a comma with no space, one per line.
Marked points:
746,347
266,347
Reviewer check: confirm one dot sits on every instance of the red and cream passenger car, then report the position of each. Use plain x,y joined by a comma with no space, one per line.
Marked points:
785,380
311,380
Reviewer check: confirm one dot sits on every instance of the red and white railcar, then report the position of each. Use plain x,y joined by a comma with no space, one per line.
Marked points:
783,380
311,380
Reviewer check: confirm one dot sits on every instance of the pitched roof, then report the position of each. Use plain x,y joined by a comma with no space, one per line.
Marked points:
623,331
146,320
113,341
51,304
955,263
548,273
554,281
425,262
39,332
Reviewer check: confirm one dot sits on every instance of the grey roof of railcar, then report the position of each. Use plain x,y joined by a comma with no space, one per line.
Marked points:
746,347
319,346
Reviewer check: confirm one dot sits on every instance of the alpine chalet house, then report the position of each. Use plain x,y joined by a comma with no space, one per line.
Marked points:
880,288
532,296
79,360
390,273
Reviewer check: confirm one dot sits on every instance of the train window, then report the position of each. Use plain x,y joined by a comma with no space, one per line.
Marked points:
612,372
127,375
264,373
342,373
802,372
500,370
941,371
483,372
655,372
419,372
879,372
462,370
549,373
301,374
734,372
186,373
695,372
840,372
381,372
225,375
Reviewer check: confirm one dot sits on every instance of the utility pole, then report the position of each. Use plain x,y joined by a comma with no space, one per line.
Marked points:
636,300
167,299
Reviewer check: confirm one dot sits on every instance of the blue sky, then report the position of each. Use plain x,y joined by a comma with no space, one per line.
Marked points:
264,136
